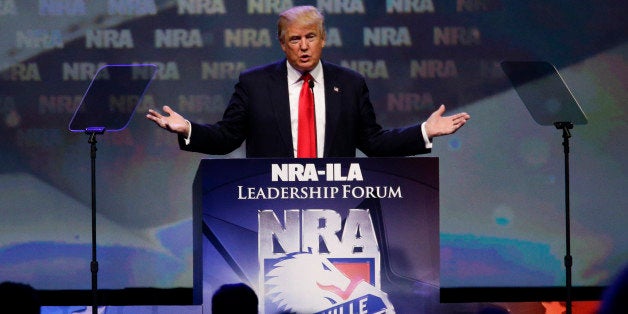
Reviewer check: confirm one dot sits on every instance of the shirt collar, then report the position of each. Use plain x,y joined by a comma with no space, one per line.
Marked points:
294,75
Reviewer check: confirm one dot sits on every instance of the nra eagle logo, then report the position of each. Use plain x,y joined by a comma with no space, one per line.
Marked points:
305,267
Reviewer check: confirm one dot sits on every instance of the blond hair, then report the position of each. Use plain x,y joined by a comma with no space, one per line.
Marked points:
305,15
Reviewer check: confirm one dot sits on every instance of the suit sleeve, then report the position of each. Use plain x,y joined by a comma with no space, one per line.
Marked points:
374,141
224,136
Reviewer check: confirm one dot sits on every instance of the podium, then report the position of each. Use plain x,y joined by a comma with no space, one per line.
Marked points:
323,235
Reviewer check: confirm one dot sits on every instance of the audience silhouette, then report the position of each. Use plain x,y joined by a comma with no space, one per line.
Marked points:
234,298
615,297
21,297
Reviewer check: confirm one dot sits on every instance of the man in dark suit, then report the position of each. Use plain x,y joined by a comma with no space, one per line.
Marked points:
263,110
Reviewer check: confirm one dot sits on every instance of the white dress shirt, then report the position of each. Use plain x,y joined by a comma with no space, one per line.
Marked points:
294,89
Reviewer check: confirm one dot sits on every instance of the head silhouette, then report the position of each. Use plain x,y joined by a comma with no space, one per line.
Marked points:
21,297
234,298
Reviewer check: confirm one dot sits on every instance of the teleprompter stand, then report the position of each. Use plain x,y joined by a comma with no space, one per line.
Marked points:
97,113
550,102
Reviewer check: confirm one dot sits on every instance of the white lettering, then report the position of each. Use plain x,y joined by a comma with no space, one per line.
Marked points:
197,7
211,104
39,38
22,72
247,37
320,230
62,7
131,7
308,172
268,6
55,104
108,38
368,68
453,36
166,71
433,68
341,6
221,70
409,102
79,71
386,36
409,6
333,38
178,38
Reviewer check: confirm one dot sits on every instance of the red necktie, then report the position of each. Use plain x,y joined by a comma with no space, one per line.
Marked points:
306,142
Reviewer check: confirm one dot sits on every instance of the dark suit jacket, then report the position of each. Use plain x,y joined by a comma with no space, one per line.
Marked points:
259,112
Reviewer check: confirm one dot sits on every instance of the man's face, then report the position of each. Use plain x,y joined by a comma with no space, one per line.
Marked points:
303,46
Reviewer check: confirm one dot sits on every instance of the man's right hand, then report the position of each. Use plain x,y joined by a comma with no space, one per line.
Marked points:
171,121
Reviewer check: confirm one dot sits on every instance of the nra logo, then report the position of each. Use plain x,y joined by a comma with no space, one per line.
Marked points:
316,261
342,6
22,72
387,36
108,38
409,6
247,37
457,36
433,68
308,172
268,6
198,7
221,70
374,69
39,38
178,38
131,7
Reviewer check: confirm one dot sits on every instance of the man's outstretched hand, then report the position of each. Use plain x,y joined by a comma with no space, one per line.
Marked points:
438,125
171,121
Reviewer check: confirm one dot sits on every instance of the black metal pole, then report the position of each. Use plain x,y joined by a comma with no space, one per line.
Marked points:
565,126
94,264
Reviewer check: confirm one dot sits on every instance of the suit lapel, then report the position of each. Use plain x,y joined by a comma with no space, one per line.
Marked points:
280,103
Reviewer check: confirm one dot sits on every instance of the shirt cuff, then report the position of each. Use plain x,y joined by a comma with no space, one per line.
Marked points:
187,138
428,142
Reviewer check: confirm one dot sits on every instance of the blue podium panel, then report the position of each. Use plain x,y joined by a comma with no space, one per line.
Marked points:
341,235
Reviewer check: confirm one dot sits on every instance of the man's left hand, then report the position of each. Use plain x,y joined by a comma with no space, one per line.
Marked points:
438,125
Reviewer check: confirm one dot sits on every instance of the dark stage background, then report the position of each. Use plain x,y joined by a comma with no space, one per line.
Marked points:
502,192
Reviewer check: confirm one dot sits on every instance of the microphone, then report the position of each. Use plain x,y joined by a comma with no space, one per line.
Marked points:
311,84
